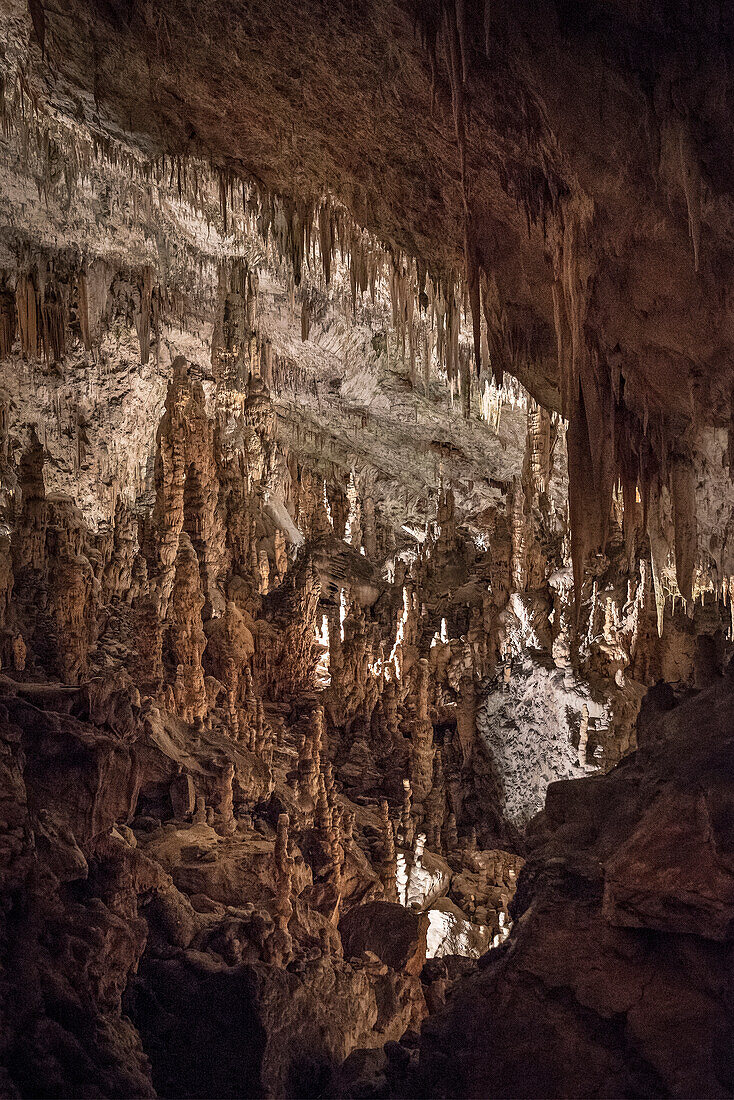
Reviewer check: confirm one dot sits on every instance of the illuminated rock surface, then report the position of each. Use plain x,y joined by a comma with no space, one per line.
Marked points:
366,553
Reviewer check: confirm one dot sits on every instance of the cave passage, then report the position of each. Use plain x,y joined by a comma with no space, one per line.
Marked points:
366,549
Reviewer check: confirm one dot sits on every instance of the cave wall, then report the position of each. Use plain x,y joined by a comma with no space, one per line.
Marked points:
308,607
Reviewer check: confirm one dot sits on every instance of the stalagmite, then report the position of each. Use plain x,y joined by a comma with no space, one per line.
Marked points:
263,568
323,816
422,753
296,497
261,730
466,716
401,879
388,865
391,712
354,522
284,868
225,808
369,529
507,675
435,804
452,836
539,439
281,555
413,896
583,735
309,764
407,823
19,653
186,634
183,796
519,526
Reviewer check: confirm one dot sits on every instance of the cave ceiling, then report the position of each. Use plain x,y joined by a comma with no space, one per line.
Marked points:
598,138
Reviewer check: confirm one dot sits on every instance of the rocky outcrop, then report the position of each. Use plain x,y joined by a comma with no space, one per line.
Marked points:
614,979
177,804
389,931
262,789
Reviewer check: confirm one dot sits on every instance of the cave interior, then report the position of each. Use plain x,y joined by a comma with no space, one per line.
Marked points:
366,548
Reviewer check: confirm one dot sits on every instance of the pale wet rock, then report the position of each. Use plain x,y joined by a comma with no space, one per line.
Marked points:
450,933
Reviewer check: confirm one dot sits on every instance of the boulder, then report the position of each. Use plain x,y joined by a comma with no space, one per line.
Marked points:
397,936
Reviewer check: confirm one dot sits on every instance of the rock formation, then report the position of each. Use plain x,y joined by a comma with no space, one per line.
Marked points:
366,531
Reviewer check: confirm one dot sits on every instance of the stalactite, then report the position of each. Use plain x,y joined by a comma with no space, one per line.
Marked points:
472,276
465,382
142,318
658,551
599,410
38,19
83,311
53,322
631,511
585,508
496,328
691,180
683,485
26,301
326,239
7,323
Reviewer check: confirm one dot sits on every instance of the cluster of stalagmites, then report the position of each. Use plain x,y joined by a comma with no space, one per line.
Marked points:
244,788
240,725
168,756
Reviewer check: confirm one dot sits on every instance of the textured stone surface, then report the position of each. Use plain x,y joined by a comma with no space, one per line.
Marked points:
179,810
616,975
527,731
572,107
395,934
304,610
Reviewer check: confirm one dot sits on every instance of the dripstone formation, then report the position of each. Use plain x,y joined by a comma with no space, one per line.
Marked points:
364,714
